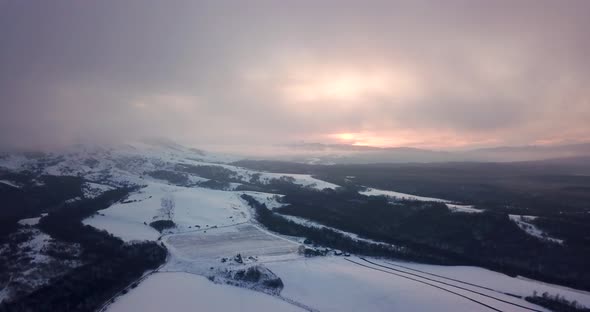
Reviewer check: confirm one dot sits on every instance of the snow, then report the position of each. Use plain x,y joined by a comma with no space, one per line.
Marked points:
197,251
519,286
246,175
309,223
270,200
193,206
6,182
73,200
38,241
187,292
29,221
246,239
172,152
524,224
93,190
301,179
13,162
393,194
334,284
397,195
4,294
126,164
463,208
30,266
127,229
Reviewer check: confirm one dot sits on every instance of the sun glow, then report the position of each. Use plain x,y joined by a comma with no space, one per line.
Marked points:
408,138
360,139
315,84
345,136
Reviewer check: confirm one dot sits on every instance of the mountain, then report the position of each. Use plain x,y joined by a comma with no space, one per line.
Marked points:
529,152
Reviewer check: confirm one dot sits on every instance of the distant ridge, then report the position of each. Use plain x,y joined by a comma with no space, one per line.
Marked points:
347,154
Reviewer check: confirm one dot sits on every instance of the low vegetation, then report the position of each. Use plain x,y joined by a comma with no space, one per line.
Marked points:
173,177
556,303
162,225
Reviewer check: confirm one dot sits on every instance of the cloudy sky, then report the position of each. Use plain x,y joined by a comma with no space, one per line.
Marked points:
432,74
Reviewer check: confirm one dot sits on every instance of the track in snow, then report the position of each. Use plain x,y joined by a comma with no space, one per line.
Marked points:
430,282
444,277
459,287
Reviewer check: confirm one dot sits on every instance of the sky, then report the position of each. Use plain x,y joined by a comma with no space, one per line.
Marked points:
245,74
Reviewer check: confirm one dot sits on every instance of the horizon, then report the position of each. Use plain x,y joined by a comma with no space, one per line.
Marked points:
339,153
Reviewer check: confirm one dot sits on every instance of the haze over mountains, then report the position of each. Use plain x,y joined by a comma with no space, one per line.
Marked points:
349,154
326,154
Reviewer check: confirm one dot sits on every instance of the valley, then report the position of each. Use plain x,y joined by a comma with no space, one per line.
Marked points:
236,234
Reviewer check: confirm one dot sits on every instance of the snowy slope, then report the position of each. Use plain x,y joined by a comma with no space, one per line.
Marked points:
524,224
397,195
126,164
193,207
29,221
270,200
9,183
187,292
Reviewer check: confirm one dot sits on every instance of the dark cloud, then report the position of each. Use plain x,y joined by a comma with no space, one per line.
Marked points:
260,72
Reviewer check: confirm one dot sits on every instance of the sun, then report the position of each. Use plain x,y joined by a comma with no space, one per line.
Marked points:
345,136
363,139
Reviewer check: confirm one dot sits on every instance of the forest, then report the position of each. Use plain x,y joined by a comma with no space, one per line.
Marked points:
429,231
109,264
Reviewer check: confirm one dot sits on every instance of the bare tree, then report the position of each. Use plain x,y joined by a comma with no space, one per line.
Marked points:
167,205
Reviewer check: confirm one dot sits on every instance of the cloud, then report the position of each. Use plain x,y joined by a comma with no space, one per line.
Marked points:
250,73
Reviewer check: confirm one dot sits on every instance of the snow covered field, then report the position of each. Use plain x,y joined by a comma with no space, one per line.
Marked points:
323,283
336,284
177,291
245,239
194,208
498,281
